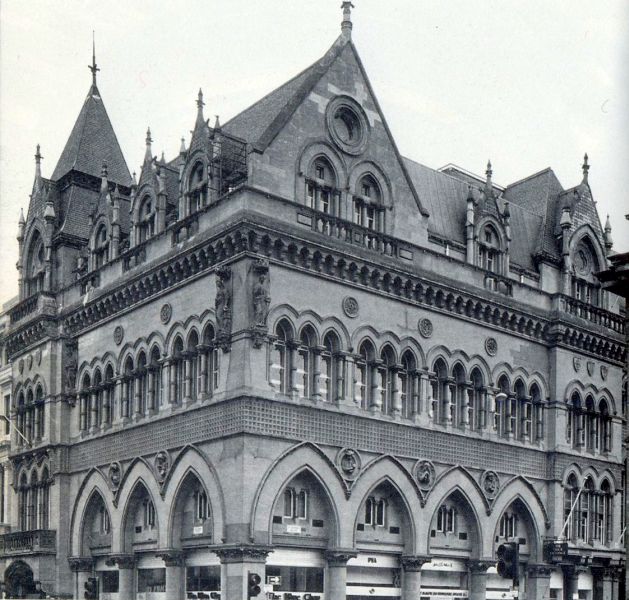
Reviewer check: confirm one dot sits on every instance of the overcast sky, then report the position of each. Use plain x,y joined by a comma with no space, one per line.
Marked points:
529,84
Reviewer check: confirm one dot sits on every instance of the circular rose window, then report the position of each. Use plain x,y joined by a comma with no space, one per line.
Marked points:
347,124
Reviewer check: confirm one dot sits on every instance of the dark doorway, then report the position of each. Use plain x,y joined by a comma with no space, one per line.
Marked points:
19,582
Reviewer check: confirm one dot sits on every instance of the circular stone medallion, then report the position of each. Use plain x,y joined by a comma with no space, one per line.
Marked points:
490,482
115,474
350,306
349,463
491,346
166,313
424,472
118,335
425,327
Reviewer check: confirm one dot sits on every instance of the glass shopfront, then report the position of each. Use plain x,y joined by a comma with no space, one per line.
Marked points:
294,575
374,577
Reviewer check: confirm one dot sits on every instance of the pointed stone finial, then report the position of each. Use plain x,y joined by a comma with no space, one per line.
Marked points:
22,221
134,180
149,139
182,148
200,103
586,168
20,227
488,171
608,225
609,242
346,23
217,123
93,67
49,211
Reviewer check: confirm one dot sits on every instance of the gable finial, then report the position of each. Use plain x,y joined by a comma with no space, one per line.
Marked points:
586,168
346,23
93,67
38,158
200,102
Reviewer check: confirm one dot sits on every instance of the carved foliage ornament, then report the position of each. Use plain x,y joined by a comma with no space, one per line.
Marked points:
349,463
490,483
350,306
491,346
425,474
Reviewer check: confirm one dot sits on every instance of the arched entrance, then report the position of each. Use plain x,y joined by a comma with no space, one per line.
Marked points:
19,581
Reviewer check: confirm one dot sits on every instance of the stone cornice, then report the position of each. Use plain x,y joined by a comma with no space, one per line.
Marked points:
386,277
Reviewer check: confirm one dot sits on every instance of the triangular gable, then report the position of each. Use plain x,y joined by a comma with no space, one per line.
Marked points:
92,143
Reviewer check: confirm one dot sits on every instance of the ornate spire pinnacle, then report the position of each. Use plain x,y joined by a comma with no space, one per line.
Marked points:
104,183
200,104
182,148
586,168
489,172
148,155
134,180
609,242
346,23
22,220
217,123
93,67
608,225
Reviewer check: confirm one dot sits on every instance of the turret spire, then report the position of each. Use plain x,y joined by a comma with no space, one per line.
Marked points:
489,172
93,67
346,23
200,120
38,158
586,168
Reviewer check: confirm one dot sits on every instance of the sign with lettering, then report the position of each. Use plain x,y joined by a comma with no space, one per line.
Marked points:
293,528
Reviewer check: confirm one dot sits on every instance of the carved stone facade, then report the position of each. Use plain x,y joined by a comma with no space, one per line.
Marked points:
288,365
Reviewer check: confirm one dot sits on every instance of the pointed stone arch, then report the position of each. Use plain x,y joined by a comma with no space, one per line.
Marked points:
302,457
191,460
388,469
94,481
138,488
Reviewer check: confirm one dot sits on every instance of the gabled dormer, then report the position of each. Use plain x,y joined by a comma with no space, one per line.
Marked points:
488,228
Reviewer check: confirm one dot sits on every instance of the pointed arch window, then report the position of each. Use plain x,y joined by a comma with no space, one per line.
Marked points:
40,413
100,252
408,384
127,388
388,380
35,265
524,413
440,385
538,413
21,417
606,512
156,392
146,219
575,428
96,408
110,396
489,249
592,423
477,408
33,502
209,362
586,506
104,521
459,390
571,490
332,385
201,510
502,415
192,366
368,210
44,500
322,191
446,519
177,372
197,188
149,514
84,400
508,525
282,357
306,368
585,285
142,385
605,427
23,503
366,384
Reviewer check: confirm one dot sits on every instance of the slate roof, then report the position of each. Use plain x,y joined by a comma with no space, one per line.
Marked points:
75,206
93,142
262,121
445,197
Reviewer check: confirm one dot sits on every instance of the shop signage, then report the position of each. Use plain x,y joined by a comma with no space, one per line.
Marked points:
274,580
293,528
197,530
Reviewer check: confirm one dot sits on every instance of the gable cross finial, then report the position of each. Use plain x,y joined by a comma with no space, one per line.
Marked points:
346,24
586,168
93,67
489,171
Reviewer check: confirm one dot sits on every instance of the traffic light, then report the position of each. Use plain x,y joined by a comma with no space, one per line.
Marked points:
253,584
91,589
509,561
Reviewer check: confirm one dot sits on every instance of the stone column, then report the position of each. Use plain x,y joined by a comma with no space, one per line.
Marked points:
570,581
375,403
478,578
203,390
396,397
93,409
336,572
447,402
316,372
117,403
411,575
172,383
538,581
238,562
175,574
83,567
137,394
126,572
187,378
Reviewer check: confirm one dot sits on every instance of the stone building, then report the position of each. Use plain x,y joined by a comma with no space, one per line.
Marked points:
290,351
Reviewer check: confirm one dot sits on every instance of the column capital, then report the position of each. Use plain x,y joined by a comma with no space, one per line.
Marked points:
338,557
81,563
480,566
413,562
122,561
236,553
171,558
539,570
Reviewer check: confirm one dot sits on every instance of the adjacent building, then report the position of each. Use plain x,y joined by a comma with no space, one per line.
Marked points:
290,351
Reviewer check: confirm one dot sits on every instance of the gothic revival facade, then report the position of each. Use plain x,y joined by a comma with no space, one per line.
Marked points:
290,351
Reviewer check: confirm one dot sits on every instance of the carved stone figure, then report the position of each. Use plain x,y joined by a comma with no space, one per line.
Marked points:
349,462
223,302
261,301
425,474
490,483
115,474
70,365
162,464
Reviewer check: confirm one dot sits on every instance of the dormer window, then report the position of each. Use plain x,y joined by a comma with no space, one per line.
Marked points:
35,266
585,285
100,252
321,187
197,188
